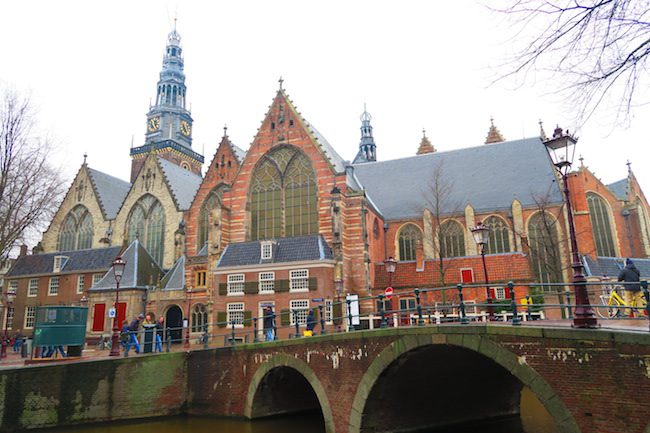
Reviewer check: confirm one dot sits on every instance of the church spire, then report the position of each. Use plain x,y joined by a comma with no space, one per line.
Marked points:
493,136
367,149
425,145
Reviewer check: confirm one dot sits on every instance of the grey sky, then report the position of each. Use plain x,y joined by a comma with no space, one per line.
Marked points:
92,68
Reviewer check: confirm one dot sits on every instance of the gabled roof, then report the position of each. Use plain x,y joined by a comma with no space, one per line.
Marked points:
337,161
182,183
619,188
141,270
78,261
110,191
240,153
486,177
294,249
175,278
611,266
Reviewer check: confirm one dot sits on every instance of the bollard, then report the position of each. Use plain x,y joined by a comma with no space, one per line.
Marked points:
322,320
429,315
23,348
513,303
232,335
463,317
644,287
255,337
295,321
382,314
349,302
419,307
206,336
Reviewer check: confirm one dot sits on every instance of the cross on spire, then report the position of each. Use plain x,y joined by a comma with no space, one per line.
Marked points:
629,166
85,156
280,81
225,130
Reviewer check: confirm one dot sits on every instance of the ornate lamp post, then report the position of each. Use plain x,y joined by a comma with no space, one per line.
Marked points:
390,264
481,235
561,149
188,294
118,271
10,297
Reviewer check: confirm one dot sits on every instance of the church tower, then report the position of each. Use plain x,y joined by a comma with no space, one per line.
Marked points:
169,122
367,149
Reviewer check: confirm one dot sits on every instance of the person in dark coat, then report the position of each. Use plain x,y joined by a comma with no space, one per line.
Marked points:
268,322
134,327
632,293
311,321
160,334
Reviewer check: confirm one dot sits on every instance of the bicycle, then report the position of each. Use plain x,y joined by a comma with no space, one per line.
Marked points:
611,303
104,343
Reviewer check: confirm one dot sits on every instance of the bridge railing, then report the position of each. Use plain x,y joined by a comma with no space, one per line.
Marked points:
505,304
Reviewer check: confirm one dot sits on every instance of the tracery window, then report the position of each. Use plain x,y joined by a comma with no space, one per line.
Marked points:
644,225
199,317
499,235
452,239
601,226
147,223
544,248
283,197
76,230
211,202
409,235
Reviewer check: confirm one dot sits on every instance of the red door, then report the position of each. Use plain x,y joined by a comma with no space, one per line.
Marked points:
99,312
121,313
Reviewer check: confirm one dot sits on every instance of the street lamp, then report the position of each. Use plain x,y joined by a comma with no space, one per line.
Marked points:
390,264
561,149
118,271
188,294
10,296
481,235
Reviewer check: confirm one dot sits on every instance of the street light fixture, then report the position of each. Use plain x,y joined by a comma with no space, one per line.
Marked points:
481,235
118,271
390,264
10,296
561,149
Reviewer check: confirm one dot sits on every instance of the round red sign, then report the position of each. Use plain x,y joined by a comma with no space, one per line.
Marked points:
388,293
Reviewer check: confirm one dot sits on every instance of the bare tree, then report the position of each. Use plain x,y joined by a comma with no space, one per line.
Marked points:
596,50
30,188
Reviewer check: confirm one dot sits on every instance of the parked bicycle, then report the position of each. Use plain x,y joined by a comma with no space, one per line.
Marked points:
611,303
104,343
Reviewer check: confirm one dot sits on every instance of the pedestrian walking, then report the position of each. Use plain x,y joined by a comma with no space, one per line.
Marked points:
133,331
160,330
18,341
632,293
268,321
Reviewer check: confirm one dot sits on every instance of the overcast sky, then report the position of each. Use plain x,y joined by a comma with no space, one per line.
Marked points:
91,69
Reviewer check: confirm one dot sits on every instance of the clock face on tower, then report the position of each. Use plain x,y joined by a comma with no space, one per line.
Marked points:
153,124
185,128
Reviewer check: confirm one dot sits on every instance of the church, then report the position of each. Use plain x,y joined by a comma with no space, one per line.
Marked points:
289,223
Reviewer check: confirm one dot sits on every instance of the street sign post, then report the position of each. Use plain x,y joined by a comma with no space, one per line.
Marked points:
388,293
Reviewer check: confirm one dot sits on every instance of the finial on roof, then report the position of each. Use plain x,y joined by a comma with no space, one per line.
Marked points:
225,130
542,134
86,156
582,161
425,144
493,136
281,81
629,166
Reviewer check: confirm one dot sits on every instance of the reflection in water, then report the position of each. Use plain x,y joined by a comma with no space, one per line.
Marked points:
534,419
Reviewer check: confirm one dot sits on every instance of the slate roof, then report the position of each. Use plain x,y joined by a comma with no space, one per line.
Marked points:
183,183
239,152
489,177
337,161
619,188
611,266
175,278
294,249
141,270
78,261
203,251
110,190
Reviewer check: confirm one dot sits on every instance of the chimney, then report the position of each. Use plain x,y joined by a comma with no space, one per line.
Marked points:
23,250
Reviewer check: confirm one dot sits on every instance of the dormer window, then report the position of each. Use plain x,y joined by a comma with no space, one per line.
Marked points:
267,250
59,263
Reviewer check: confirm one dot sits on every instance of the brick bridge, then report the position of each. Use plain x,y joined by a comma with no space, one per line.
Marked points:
404,379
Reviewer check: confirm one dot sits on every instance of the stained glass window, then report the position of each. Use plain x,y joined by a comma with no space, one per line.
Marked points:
408,237
147,223
601,226
211,202
76,230
499,235
283,197
452,239
544,248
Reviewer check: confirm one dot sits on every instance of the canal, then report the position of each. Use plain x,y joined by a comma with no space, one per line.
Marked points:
533,419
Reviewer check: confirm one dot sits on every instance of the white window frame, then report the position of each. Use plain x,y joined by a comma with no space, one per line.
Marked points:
470,307
97,278
32,287
59,263
81,281
266,250
329,311
302,306
13,285
11,312
299,280
235,283
30,317
500,293
50,286
266,283
232,309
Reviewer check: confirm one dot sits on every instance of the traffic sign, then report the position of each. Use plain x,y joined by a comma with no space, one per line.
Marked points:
111,313
388,293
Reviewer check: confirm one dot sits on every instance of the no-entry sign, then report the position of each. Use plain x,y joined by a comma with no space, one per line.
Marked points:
388,293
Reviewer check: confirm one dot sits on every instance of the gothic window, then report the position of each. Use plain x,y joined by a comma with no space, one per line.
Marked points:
452,239
409,235
147,223
210,203
199,317
499,235
77,230
601,226
544,248
283,195
643,225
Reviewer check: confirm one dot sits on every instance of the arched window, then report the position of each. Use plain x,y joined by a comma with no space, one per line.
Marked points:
211,202
601,226
199,317
452,239
147,223
644,226
499,235
283,180
76,230
409,235
544,248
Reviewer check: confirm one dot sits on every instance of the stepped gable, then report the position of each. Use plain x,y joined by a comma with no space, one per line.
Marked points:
487,177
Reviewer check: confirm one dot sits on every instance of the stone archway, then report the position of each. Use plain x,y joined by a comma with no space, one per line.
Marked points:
282,360
174,321
478,344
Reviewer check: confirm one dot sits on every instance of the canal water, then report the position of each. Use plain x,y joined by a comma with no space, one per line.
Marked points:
533,419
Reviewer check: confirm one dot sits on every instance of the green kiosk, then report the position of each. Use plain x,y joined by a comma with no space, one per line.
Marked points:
60,326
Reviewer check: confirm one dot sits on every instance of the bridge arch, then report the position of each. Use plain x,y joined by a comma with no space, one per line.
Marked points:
295,366
480,346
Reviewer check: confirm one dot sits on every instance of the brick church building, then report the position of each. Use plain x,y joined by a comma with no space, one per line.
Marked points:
292,224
